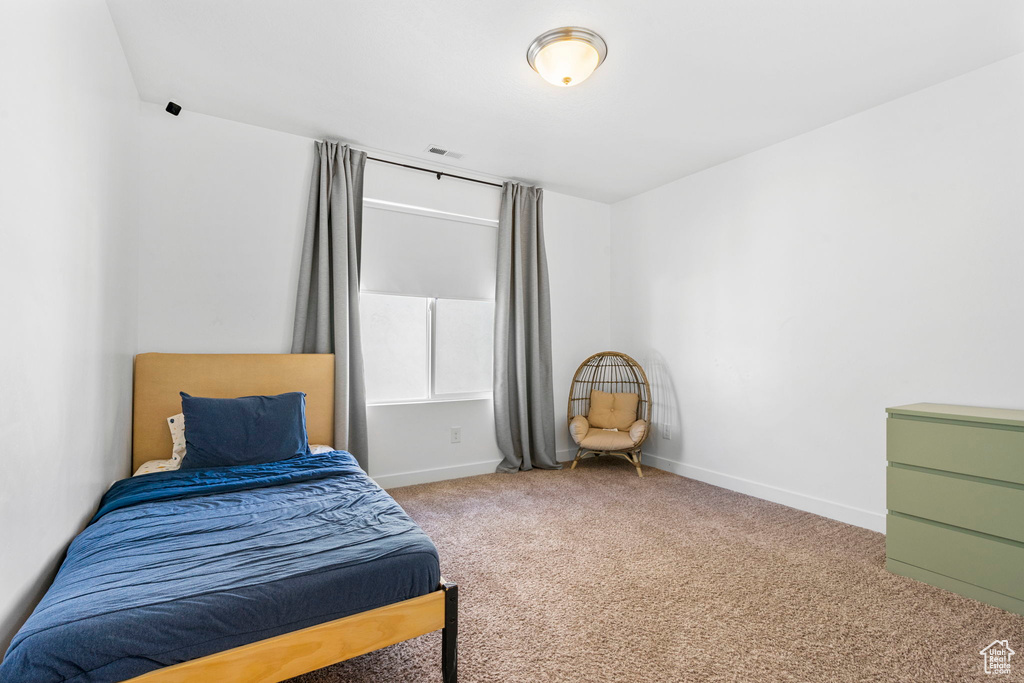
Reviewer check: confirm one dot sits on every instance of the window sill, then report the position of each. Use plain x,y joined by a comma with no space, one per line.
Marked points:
418,401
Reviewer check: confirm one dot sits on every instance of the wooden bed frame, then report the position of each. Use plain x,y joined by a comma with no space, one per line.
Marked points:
158,379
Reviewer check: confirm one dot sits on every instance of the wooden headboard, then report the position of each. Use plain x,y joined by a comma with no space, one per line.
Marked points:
160,376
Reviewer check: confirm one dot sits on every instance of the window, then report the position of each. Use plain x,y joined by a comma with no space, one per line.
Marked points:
396,332
427,307
423,349
463,347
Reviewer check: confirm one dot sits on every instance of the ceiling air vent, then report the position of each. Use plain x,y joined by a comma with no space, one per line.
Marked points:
442,152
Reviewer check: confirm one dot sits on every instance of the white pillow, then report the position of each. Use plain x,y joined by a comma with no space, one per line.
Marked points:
177,426
320,448
157,466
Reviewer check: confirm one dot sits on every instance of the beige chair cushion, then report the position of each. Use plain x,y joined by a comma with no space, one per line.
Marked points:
612,411
637,431
607,440
578,428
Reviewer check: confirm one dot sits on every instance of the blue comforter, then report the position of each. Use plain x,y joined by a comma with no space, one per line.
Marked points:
178,565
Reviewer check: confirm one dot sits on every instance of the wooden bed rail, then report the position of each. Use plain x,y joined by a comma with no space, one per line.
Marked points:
292,654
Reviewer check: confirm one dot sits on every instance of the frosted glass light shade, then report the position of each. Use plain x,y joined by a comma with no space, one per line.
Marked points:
567,56
566,62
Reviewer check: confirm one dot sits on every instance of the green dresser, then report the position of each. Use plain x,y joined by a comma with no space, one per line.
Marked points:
955,494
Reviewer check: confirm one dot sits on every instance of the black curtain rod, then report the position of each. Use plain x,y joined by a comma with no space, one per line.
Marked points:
439,174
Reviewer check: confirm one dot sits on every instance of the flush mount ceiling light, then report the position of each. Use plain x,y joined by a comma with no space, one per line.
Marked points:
566,56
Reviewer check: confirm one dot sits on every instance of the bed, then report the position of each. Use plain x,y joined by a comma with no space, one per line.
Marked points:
255,572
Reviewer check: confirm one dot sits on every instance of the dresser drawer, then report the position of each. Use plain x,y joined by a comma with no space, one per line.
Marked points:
985,506
980,561
990,452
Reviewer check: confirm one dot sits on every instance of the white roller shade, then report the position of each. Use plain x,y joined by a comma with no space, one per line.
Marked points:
421,255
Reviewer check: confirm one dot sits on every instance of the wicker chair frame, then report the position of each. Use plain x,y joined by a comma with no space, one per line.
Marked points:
615,373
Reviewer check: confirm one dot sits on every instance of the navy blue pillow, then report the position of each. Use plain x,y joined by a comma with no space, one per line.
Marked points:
220,432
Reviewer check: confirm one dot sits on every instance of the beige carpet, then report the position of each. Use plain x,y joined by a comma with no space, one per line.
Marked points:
597,575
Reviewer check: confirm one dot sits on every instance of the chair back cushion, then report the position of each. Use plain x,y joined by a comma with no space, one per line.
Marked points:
612,411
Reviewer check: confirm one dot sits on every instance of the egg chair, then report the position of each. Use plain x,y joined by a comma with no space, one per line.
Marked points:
610,408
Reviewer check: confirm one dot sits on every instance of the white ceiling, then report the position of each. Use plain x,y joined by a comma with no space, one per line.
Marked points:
687,84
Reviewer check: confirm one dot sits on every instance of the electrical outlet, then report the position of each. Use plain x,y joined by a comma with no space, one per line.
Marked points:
666,432
456,434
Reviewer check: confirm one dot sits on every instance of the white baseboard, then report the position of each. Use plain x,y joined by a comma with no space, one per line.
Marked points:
390,481
801,501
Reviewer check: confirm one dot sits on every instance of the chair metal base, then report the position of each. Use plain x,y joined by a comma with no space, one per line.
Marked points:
633,456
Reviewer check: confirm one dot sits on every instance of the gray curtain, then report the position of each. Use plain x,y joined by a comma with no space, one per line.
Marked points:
524,412
327,309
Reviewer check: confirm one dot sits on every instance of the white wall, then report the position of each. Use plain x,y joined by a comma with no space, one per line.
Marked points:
222,210
783,300
223,207
577,238
68,135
